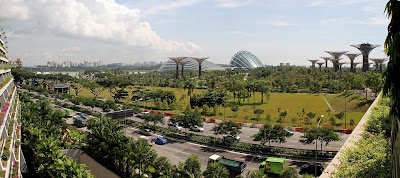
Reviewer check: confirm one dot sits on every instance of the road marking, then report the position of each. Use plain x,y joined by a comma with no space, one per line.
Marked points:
218,149
176,156
194,149
185,153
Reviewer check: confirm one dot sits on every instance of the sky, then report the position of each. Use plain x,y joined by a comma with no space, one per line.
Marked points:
129,31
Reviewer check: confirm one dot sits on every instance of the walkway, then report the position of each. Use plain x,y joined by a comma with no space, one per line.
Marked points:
330,107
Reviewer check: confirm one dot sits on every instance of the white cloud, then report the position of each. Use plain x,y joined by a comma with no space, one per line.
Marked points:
232,3
93,19
162,6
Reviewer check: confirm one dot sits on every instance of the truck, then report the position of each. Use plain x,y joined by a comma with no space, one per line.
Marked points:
234,166
69,112
273,165
79,121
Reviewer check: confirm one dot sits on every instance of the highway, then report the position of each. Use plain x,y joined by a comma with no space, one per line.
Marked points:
177,151
247,132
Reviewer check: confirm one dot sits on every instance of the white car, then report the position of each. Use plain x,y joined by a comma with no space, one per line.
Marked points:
197,128
231,138
175,126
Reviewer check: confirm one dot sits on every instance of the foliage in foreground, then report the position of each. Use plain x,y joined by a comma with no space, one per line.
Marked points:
45,135
370,157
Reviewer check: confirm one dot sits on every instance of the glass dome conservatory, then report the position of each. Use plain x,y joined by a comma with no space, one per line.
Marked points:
245,59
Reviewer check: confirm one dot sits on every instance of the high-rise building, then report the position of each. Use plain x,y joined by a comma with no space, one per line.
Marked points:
10,129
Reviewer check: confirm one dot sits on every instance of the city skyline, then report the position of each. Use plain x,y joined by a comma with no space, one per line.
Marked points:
132,31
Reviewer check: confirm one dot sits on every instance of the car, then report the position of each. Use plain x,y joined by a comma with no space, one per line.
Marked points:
174,126
147,139
197,128
159,140
309,168
145,132
287,130
230,138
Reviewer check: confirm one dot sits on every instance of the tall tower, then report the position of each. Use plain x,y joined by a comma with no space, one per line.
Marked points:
313,62
182,65
177,60
365,49
336,55
200,60
352,56
320,65
326,60
378,63
355,65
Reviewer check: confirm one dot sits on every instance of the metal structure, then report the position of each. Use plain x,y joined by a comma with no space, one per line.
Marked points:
320,65
335,64
182,63
352,56
177,60
336,55
378,63
200,60
355,65
313,62
365,49
326,60
245,59
340,65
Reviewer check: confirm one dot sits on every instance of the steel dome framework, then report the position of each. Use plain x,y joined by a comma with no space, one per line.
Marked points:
245,59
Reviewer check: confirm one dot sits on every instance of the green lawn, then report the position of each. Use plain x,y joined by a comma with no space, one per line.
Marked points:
292,103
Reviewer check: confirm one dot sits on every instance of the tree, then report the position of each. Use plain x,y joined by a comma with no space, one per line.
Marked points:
164,167
325,134
77,86
235,109
187,119
193,166
289,172
256,174
271,133
373,81
153,117
258,113
263,88
216,170
229,128
116,86
391,85
94,88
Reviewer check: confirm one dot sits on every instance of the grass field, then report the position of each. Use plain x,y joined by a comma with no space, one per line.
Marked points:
292,103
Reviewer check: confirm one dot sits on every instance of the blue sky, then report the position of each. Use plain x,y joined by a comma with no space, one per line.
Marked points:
136,30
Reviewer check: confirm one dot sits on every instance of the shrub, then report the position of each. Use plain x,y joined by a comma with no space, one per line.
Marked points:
289,172
6,155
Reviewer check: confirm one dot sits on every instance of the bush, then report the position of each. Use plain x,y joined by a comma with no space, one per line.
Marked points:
6,155
289,172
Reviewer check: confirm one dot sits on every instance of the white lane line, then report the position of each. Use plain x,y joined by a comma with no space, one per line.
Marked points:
176,156
185,153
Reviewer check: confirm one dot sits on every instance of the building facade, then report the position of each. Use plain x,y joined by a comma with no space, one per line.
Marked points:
12,158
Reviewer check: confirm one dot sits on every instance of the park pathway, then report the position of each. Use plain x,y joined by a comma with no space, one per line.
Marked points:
330,107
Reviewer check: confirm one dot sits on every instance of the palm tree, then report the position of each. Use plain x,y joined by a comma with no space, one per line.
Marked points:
189,85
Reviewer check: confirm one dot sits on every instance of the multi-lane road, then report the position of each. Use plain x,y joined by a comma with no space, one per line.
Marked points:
247,132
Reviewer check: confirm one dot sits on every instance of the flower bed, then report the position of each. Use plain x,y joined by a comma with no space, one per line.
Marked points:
6,153
18,129
2,84
14,169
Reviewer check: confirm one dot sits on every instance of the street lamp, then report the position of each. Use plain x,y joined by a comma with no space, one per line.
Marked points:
316,145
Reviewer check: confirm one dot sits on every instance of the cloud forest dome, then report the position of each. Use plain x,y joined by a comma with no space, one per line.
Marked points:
245,59
192,65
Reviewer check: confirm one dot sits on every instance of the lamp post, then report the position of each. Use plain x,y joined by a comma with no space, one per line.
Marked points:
345,108
316,145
